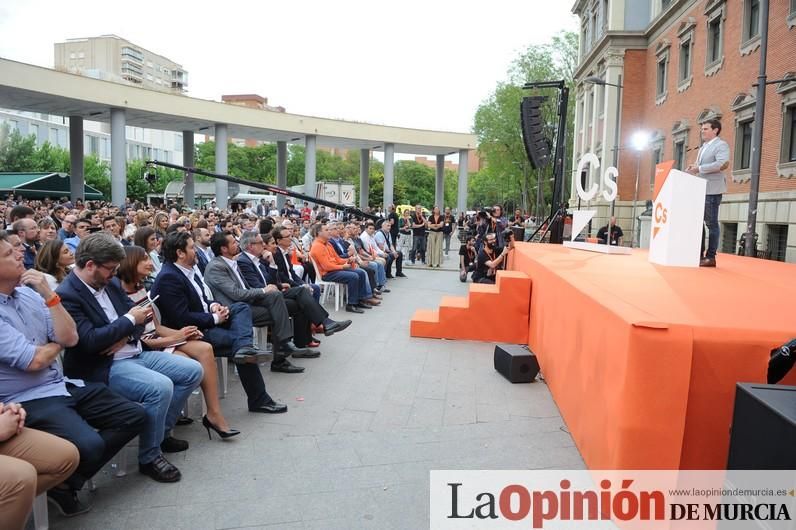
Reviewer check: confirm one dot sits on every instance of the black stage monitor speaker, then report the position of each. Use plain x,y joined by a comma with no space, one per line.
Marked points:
536,145
763,427
516,363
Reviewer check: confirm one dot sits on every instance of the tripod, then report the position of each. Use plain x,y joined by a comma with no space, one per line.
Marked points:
556,217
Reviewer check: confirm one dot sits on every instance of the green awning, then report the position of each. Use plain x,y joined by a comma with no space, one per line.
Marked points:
42,185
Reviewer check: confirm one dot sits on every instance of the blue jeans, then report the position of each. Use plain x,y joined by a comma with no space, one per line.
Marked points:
712,203
161,382
355,279
381,274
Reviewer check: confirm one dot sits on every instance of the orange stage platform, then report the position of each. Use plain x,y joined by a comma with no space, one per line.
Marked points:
642,360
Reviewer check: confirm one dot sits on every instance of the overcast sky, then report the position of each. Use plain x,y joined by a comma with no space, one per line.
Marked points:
424,64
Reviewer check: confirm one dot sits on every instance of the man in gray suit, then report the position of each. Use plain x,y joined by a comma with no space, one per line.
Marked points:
713,158
267,304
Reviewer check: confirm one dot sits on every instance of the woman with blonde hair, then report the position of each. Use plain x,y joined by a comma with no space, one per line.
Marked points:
160,224
54,259
186,341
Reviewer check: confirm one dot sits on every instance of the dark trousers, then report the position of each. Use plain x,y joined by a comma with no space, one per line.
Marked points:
94,418
273,312
229,338
398,263
305,311
712,203
309,272
418,248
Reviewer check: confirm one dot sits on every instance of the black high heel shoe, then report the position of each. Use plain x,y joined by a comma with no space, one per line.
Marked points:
223,434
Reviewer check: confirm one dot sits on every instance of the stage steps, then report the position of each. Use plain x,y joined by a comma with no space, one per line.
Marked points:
490,313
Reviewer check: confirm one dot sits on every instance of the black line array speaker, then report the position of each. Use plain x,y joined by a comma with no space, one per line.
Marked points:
516,363
536,145
763,427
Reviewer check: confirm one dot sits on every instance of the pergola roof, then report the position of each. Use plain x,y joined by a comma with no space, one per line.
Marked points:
37,89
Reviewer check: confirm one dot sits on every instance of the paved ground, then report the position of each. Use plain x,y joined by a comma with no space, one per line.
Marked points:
367,422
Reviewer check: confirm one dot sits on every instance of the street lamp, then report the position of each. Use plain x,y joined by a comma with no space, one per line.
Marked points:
594,80
639,141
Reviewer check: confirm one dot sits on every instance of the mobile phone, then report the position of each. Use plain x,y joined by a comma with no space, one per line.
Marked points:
146,303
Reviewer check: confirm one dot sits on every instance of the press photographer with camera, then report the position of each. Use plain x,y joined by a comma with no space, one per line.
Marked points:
492,257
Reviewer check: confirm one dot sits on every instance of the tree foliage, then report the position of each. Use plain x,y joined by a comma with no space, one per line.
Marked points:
507,176
20,153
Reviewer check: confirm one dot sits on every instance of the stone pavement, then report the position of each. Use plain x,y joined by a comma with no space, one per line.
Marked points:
367,421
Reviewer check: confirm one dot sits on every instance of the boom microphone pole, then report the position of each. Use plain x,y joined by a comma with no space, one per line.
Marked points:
267,187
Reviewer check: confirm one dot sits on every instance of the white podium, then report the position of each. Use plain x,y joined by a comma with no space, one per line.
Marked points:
677,217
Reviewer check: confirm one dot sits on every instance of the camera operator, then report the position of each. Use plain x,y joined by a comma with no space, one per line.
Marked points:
492,257
497,224
467,256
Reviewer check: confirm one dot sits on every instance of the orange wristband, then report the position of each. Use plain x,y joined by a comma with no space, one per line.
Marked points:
54,301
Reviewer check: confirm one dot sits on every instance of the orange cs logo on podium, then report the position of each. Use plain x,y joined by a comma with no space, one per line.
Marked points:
660,213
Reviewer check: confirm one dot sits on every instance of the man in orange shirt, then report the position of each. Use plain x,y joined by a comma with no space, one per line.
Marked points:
333,268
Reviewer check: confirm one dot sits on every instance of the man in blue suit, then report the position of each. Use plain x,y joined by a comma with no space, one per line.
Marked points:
109,351
227,328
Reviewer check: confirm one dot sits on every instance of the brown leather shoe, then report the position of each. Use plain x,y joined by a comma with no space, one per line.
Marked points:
707,262
372,301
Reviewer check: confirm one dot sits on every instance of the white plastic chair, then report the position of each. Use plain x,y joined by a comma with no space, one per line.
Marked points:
340,289
41,519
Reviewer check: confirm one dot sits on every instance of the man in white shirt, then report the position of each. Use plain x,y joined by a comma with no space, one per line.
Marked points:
384,241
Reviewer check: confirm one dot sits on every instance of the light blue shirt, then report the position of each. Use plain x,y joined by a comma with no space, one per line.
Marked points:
72,243
25,324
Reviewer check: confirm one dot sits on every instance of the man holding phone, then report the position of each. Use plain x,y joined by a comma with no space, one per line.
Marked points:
109,351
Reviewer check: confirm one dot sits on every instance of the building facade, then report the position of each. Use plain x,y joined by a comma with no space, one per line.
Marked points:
680,63
113,58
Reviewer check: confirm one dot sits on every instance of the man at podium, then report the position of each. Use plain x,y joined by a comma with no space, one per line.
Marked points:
616,233
713,158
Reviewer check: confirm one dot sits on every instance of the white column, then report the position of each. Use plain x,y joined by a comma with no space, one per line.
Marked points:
189,195
461,204
77,180
222,186
309,165
389,175
364,178
281,171
439,183
118,157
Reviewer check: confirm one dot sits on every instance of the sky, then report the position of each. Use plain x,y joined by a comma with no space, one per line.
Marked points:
421,64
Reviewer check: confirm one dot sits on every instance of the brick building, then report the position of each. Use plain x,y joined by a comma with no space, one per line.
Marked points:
681,62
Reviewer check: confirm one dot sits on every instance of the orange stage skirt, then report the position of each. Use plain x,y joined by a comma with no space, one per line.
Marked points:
642,360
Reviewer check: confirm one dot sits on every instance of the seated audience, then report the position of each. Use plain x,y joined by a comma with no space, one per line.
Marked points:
227,328
32,462
268,307
36,327
110,351
55,260
333,268
82,227
185,341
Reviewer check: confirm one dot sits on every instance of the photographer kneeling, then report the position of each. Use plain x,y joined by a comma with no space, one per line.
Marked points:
492,258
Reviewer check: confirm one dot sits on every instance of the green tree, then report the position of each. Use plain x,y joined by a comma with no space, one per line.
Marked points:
507,176
17,153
